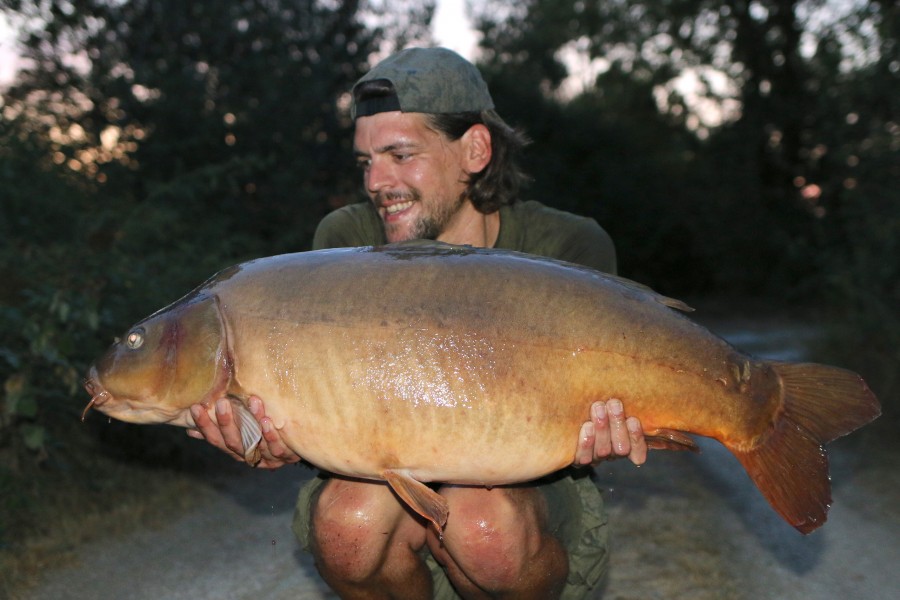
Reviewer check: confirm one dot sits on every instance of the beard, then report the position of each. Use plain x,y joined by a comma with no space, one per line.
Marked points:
438,214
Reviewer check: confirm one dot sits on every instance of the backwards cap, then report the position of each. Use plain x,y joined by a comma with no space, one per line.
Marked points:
425,80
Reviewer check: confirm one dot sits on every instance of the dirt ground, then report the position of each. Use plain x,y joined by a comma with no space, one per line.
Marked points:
682,526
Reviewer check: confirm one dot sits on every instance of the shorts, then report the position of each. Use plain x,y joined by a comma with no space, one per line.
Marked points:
577,519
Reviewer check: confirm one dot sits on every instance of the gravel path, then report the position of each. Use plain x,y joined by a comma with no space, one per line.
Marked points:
683,526
236,545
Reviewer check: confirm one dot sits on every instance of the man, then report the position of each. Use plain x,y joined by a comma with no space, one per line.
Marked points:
438,163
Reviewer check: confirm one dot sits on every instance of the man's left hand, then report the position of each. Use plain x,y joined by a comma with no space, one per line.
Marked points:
609,434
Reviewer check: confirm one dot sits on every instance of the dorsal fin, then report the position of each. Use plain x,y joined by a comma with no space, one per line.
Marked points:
643,289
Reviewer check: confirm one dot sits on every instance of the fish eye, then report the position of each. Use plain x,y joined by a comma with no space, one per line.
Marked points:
135,338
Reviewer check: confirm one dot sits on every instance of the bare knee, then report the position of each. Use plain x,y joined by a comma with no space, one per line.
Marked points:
498,540
355,527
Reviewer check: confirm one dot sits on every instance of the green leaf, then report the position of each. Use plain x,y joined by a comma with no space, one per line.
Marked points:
25,406
12,358
34,437
16,399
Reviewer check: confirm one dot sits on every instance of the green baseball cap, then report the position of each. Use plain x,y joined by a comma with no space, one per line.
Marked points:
425,80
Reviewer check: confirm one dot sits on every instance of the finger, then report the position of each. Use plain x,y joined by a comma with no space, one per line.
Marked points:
204,427
272,448
268,445
195,434
274,452
229,429
618,433
584,453
638,454
602,441
275,448
257,409
207,429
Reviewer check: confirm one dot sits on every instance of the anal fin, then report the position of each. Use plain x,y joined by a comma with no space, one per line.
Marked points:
670,439
419,497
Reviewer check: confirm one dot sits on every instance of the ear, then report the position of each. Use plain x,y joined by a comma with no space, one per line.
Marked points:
476,148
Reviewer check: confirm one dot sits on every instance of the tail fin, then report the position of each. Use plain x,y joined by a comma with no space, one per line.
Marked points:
790,466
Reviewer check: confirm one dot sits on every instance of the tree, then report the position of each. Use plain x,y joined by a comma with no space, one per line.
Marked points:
787,68
792,195
230,108
148,144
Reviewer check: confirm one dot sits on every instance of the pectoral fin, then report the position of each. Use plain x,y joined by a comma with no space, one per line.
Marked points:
251,433
670,439
419,497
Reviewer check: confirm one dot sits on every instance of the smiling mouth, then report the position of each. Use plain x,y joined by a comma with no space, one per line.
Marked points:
394,209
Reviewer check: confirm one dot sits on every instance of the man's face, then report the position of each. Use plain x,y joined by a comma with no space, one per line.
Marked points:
414,175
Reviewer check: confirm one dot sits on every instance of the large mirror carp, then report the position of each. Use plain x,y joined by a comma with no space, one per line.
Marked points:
421,362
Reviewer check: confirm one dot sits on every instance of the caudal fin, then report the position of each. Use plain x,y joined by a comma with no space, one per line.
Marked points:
790,465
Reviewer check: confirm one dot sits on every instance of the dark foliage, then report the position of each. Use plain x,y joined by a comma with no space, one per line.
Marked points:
147,144
144,146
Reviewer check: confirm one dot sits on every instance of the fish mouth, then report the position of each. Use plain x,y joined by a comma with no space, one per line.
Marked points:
98,395
124,408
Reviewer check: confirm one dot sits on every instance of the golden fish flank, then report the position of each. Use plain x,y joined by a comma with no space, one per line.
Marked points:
410,373
416,363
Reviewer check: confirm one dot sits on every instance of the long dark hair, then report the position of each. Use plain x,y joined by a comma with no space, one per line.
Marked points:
500,182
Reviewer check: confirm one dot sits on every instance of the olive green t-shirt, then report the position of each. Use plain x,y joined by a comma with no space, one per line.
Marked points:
527,227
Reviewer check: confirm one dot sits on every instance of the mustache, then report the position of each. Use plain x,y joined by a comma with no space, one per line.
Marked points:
381,198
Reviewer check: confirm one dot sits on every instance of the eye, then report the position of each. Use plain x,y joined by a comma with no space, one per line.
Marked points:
135,338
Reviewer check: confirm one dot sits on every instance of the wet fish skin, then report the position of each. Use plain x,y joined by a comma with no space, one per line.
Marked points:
419,363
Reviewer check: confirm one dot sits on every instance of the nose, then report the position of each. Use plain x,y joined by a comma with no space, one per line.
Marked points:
379,176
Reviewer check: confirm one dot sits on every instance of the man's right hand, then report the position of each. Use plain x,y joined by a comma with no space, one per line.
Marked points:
223,433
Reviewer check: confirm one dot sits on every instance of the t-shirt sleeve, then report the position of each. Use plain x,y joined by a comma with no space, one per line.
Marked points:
349,226
534,228
590,245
